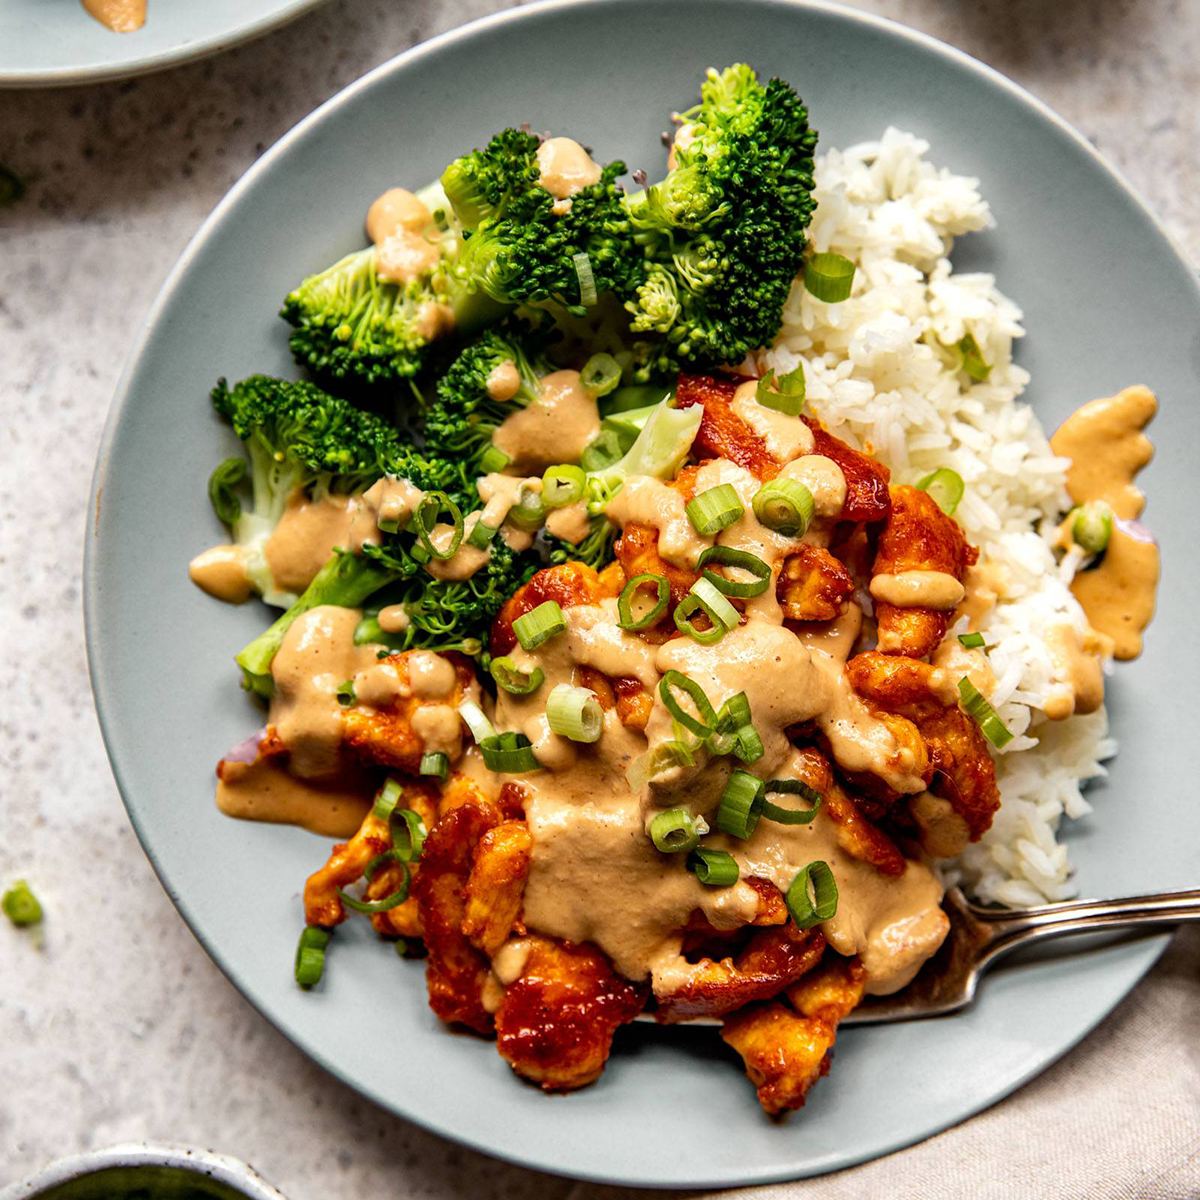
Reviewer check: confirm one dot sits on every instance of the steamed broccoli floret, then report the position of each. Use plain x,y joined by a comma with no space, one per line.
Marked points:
460,422
596,550
518,249
353,327
297,436
723,234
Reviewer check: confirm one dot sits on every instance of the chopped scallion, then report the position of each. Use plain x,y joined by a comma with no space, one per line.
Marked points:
785,394
663,757
727,556
714,509
221,485
604,450
408,835
784,505
481,728
701,725
972,358
387,798
674,831
983,714
345,693
687,608
512,679
529,512
791,816
562,485
493,460
575,713
715,604
432,506
600,375
808,909
310,956
481,535
713,868
739,810
436,764
829,277
386,903
20,905
587,280
539,624
508,753
625,617
972,641
1092,528
946,487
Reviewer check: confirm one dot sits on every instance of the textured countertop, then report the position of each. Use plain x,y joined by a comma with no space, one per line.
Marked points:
120,1028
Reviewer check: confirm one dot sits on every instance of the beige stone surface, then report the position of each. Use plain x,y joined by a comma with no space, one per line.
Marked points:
121,1027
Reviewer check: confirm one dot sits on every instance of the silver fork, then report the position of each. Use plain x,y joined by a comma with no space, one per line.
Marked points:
979,936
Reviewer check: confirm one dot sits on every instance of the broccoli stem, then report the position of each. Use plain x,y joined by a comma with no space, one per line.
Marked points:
346,580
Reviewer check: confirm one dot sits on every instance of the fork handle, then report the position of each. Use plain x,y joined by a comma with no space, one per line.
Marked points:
1009,930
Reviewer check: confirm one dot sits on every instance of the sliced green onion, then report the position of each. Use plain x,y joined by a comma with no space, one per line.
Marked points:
481,535
20,905
663,757
388,902
809,910
674,831
714,509
512,679
600,375
749,747
509,753
604,450
387,798
432,505
727,556
401,947
481,728
945,486
587,281
784,505
221,484
713,868
785,395
562,485
529,512
716,603
436,764
419,553
493,460
575,713
736,731
687,608
972,358
539,624
408,836
625,617
701,726
983,714
345,693
1092,527
739,809
829,277
972,641
791,816
310,956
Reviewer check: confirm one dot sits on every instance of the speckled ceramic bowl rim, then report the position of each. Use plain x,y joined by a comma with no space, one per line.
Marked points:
105,688
39,77
230,1171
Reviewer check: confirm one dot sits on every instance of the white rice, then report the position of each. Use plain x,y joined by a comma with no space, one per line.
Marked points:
881,373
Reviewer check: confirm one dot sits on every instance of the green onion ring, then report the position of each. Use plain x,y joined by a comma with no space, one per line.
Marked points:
562,485
945,486
529,513
310,955
674,831
408,834
493,460
785,395
509,753
716,603
683,613
1092,527
435,764
714,509
432,505
983,714
701,727
784,505
481,535
740,805
829,277
727,556
791,816
512,679
394,900
600,375
822,905
387,798
972,358
539,625
713,868
475,721
972,641
221,484
625,617
574,713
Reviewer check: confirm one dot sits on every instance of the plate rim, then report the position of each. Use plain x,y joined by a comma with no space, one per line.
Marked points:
148,64
1152,945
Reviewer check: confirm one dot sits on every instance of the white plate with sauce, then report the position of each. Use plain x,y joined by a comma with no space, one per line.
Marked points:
55,43
1108,301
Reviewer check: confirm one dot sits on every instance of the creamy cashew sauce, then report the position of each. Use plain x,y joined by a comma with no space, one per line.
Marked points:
221,572
555,428
918,589
121,16
407,245
1107,447
785,437
565,168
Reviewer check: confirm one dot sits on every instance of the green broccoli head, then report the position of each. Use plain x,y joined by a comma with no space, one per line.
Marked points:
463,416
521,246
723,235
596,550
300,437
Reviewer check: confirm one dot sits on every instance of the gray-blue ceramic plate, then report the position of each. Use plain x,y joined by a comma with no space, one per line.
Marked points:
1108,301
53,43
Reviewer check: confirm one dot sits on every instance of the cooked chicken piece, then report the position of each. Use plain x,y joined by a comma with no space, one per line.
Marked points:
773,958
569,584
556,1022
786,1052
855,834
323,905
701,939
723,434
918,537
626,694
813,585
455,971
496,885
385,735
637,552
964,773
